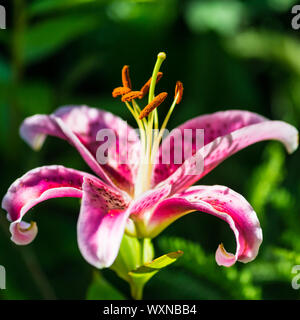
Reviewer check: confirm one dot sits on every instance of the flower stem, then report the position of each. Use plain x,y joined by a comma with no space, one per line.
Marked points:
136,291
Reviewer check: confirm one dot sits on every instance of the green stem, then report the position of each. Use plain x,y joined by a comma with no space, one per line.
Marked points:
136,291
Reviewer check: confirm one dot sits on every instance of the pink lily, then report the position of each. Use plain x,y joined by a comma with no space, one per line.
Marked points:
131,197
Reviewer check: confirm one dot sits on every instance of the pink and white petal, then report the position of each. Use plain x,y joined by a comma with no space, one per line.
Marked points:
22,232
34,187
223,147
85,123
214,125
142,208
84,152
35,129
221,202
101,223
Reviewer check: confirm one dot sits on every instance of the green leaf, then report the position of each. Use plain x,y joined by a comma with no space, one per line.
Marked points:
132,254
213,15
140,276
100,289
35,97
51,35
266,178
39,7
5,70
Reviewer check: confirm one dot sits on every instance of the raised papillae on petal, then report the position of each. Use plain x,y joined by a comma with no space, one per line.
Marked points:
225,133
79,125
221,202
101,223
34,187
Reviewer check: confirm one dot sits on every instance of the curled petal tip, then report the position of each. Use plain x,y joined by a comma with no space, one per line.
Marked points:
294,143
38,142
23,233
224,258
34,139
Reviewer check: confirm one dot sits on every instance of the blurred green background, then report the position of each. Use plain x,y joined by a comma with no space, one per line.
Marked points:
229,54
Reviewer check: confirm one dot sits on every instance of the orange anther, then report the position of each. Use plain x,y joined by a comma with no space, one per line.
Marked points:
146,86
131,95
158,100
125,77
120,91
179,89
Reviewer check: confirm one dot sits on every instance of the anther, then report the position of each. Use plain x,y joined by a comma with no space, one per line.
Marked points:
120,91
179,90
131,95
125,77
158,100
146,87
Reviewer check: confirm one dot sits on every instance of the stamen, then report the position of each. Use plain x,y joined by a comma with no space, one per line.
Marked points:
158,100
120,91
125,77
146,87
131,95
179,91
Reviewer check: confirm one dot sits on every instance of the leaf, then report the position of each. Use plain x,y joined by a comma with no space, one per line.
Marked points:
39,7
151,268
140,276
266,178
5,70
237,284
35,97
49,36
213,15
100,289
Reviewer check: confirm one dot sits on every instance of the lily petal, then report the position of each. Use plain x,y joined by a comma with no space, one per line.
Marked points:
214,125
101,223
34,187
142,208
84,123
216,151
221,202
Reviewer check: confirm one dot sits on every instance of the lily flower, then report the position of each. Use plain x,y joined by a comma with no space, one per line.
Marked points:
131,194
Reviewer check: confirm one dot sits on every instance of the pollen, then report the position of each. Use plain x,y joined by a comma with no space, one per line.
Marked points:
179,90
120,91
131,95
126,78
146,87
158,100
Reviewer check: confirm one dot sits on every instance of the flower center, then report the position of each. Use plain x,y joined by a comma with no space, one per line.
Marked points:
147,119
